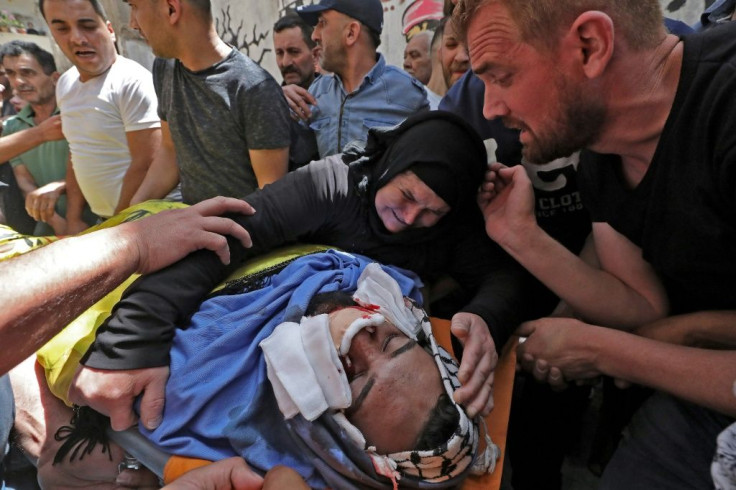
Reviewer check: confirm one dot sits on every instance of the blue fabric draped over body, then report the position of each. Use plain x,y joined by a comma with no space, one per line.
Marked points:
219,402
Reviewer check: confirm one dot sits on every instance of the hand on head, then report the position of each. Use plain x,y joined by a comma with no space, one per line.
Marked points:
478,364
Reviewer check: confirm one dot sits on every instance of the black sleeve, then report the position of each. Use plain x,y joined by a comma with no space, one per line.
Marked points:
499,285
139,332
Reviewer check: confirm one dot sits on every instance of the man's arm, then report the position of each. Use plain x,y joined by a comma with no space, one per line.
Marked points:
580,351
163,174
624,293
707,329
40,202
20,142
143,145
74,201
269,165
63,279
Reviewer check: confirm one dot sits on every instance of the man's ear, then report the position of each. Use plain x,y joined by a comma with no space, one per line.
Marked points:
108,25
591,37
173,10
55,77
352,32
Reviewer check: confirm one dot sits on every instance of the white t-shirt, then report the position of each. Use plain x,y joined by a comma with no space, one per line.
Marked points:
95,117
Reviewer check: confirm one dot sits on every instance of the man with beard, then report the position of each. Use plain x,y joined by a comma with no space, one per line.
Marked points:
363,91
655,113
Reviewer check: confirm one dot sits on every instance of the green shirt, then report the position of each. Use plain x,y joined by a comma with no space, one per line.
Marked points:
46,162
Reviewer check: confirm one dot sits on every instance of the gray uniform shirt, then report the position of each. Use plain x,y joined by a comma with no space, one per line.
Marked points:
215,116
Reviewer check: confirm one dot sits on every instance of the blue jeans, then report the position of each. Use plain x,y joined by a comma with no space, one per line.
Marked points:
7,415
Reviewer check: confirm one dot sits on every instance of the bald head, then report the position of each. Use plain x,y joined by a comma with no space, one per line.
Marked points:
418,56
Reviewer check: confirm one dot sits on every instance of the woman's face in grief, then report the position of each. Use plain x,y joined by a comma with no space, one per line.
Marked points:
407,202
394,384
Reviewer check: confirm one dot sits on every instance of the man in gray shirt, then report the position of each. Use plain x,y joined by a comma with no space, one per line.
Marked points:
224,119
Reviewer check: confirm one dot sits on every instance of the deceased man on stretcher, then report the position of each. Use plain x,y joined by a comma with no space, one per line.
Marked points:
327,367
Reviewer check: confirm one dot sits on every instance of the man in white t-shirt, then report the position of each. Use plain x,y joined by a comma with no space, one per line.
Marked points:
108,109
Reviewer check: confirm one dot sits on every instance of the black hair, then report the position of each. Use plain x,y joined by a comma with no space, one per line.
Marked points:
290,21
374,36
441,425
328,302
96,5
17,48
439,30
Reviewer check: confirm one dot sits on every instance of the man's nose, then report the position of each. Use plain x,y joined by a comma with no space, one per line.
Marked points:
133,23
493,105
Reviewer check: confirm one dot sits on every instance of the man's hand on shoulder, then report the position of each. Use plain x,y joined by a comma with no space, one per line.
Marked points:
50,129
113,393
299,100
478,364
169,236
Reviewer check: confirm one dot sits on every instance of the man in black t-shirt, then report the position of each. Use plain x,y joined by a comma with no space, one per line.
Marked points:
225,122
657,114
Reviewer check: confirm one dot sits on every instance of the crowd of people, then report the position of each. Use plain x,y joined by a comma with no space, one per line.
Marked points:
552,169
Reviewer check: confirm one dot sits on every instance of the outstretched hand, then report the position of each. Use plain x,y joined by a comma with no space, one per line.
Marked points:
506,199
478,364
113,393
169,236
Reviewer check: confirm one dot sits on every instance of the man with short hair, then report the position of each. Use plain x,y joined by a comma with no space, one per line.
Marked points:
417,56
295,50
362,91
32,139
658,180
453,54
225,122
108,108
296,57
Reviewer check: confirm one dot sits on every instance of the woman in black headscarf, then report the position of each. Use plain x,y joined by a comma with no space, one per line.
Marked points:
406,199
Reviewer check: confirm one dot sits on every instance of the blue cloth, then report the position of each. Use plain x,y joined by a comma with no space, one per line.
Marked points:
7,415
677,27
719,12
386,97
219,402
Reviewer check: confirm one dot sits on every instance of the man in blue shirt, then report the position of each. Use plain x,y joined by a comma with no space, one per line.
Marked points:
362,91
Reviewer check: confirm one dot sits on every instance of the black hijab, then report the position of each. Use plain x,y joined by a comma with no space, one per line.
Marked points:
439,144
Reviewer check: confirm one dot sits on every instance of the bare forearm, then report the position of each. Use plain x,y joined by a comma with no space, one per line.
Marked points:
701,376
131,183
709,329
17,143
59,282
592,293
74,197
161,178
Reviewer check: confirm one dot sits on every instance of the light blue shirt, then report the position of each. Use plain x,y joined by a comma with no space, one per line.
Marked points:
386,97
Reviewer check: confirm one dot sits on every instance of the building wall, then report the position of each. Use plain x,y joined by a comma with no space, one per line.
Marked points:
247,24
